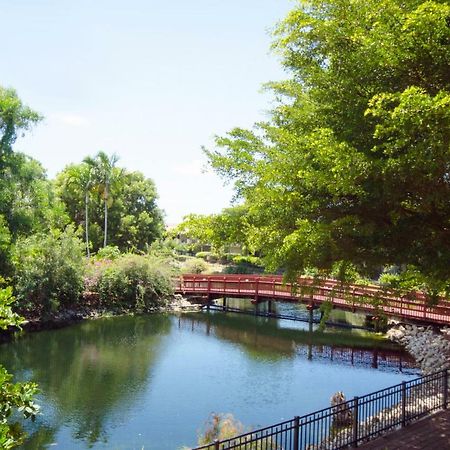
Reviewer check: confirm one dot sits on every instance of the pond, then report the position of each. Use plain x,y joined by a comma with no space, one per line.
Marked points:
151,382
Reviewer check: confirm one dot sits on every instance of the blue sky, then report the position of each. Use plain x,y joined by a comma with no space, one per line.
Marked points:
151,81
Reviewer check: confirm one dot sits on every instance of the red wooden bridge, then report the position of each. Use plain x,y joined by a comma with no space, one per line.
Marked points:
369,299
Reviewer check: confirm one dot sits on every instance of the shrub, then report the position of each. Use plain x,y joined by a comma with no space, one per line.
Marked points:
48,270
243,268
109,252
195,265
225,426
252,260
202,255
134,281
208,256
220,426
5,243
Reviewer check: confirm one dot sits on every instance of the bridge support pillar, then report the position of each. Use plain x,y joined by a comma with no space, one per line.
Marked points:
310,309
256,309
224,304
269,307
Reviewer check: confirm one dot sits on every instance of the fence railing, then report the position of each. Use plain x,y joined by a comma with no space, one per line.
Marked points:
349,423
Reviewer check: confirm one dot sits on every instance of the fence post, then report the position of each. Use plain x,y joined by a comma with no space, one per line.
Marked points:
445,392
216,444
296,432
403,403
355,421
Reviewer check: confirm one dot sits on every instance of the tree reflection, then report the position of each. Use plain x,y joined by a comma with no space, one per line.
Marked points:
89,373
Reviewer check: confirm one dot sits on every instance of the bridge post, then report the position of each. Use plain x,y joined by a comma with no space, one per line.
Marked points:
310,308
224,304
269,306
256,291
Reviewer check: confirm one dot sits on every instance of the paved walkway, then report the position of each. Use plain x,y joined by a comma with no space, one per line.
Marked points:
430,433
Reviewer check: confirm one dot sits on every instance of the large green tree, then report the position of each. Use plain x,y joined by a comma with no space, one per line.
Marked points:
27,200
218,230
134,220
15,118
354,163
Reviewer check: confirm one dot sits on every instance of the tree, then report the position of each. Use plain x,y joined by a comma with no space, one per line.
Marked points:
353,164
15,118
134,220
27,201
104,175
137,220
218,230
80,177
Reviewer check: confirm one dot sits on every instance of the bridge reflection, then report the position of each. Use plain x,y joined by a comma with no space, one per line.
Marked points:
267,339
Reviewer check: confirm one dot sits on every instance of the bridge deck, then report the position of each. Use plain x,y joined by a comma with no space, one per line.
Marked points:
368,299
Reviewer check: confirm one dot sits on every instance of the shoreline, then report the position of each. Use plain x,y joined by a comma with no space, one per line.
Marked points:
82,312
429,348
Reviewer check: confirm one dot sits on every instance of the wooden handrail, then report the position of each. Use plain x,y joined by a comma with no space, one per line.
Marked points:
345,296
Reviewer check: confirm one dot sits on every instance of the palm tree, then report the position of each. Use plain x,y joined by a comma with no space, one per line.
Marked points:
87,182
82,176
105,176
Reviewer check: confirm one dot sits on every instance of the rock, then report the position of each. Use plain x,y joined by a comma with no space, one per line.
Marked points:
430,349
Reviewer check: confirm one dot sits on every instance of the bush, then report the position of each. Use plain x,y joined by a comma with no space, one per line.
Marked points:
243,268
251,260
195,265
109,252
220,427
48,270
134,281
225,426
203,255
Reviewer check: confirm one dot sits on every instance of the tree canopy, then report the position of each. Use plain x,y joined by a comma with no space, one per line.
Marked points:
15,118
353,164
27,200
128,198
218,230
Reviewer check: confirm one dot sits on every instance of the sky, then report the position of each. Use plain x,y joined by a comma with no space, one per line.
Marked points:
152,81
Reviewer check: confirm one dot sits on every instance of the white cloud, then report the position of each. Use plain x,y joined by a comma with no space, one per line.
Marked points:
192,168
72,120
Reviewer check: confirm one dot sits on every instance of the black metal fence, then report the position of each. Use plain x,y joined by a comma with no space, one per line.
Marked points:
349,423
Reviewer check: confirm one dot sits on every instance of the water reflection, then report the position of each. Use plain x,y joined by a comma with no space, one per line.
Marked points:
151,381
88,372
267,338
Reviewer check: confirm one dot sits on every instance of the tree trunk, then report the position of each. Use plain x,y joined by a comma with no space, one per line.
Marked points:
86,222
106,216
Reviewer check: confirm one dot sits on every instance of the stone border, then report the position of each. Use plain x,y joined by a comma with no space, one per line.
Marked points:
430,348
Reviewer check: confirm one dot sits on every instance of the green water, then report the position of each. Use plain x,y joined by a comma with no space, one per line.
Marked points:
152,381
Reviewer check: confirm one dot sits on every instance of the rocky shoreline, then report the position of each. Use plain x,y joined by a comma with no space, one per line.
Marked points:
175,304
429,347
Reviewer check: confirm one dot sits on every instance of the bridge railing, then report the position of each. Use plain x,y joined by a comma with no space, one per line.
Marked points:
348,423
368,298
